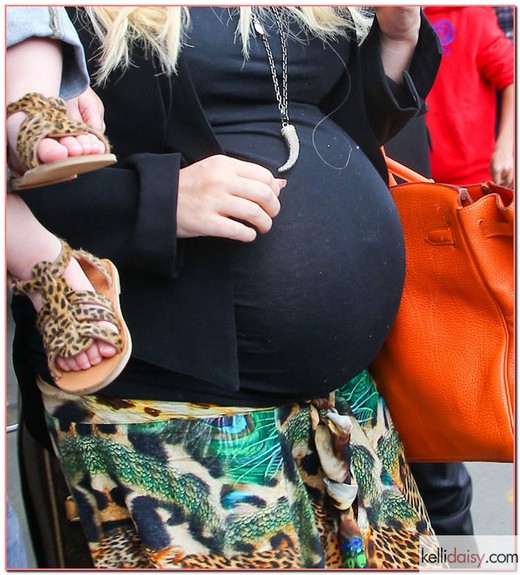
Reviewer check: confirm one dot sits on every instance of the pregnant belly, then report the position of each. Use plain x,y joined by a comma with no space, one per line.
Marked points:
315,297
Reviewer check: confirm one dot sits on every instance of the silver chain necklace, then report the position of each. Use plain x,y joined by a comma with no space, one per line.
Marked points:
288,131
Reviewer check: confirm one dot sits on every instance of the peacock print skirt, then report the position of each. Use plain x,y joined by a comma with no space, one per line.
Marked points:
318,484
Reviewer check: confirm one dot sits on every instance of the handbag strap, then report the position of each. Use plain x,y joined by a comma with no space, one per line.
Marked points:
402,172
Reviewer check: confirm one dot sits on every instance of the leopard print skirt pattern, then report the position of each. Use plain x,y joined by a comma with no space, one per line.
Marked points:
319,484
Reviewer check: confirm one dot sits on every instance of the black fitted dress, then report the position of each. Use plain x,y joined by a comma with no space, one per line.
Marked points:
314,297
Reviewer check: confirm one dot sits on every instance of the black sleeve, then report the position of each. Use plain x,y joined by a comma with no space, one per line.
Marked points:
127,213
389,104
370,106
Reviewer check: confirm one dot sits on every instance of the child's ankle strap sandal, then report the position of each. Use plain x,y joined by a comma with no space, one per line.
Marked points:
69,319
48,118
45,118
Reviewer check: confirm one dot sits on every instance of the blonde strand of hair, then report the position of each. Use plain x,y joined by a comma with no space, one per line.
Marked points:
161,30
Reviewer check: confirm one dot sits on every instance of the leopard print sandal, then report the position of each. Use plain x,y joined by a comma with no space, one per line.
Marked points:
47,118
69,319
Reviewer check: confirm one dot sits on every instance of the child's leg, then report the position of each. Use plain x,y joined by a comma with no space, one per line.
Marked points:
52,22
35,64
29,242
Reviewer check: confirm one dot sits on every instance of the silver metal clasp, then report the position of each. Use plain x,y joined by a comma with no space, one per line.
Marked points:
464,196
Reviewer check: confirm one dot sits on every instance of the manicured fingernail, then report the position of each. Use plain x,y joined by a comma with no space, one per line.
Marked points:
282,183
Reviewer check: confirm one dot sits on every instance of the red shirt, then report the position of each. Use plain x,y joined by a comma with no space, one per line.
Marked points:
477,61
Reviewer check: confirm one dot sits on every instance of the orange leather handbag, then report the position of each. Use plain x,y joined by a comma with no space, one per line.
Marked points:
447,369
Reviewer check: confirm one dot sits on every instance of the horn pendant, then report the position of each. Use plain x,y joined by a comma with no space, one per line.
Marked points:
292,142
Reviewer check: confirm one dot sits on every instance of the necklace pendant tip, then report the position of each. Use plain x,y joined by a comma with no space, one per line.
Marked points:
292,142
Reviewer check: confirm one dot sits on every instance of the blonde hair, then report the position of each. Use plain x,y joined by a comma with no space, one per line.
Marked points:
162,30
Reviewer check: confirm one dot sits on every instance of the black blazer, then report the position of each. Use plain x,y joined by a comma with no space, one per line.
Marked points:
177,295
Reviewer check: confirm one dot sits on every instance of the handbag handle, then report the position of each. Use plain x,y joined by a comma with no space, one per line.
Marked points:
397,169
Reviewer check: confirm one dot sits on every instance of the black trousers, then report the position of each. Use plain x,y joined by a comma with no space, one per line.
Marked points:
447,492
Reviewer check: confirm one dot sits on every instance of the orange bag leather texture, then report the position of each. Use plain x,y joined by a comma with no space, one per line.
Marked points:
447,369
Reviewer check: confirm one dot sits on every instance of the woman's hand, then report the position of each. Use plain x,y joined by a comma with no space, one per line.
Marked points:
228,198
502,164
399,27
88,108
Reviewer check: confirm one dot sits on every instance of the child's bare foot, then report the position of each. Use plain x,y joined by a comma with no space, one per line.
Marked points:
49,149
77,280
